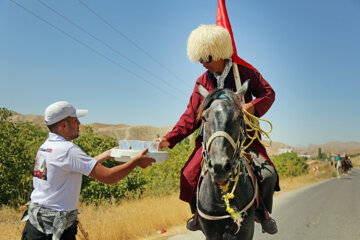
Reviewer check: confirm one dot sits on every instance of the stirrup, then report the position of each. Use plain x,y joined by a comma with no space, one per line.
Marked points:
192,224
269,226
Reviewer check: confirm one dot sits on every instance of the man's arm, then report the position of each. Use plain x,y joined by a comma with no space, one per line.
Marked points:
115,174
102,157
260,89
264,94
187,123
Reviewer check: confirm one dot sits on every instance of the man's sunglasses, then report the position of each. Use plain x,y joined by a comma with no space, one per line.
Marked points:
208,60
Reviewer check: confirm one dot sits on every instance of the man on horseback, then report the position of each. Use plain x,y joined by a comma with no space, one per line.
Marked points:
212,47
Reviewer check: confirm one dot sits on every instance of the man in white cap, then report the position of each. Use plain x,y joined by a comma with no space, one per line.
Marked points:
59,167
211,46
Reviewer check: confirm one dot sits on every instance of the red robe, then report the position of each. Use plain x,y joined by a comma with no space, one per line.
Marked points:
264,98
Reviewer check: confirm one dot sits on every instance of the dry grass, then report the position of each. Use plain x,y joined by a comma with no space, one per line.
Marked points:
10,225
356,161
133,219
142,219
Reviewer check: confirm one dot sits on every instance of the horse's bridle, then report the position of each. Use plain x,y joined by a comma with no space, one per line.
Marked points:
236,145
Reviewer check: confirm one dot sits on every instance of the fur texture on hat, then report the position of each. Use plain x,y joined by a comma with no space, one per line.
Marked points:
209,40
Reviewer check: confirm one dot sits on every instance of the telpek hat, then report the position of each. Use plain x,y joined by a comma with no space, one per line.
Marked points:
209,40
61,110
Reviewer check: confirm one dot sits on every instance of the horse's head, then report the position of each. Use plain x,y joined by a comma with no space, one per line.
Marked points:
223,130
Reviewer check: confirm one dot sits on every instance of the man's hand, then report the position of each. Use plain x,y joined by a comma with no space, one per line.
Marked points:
249,107
162,143
142,160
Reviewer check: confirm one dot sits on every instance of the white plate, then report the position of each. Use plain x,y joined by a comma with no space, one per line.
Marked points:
121,155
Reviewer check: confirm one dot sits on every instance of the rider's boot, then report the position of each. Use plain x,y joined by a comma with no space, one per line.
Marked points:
193,223
268,224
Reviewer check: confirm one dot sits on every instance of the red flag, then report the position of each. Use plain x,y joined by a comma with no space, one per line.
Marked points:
222,20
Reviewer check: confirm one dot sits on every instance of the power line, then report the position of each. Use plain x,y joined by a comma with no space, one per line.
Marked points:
131,41
90,48
110,47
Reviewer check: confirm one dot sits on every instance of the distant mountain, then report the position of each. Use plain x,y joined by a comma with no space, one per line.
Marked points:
148,133
118,131
331,147
34,119
123,131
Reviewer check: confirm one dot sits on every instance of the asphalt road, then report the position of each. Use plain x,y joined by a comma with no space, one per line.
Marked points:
329,210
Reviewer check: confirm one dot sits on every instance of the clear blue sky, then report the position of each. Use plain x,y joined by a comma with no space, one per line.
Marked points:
309,51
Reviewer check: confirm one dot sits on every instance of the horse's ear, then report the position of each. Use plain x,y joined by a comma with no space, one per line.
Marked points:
243,88
202,90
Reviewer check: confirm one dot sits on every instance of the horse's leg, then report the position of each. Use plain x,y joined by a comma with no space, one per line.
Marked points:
347,169
338,170
210,199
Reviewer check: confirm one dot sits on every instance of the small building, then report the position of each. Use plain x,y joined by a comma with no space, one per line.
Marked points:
284,150
305,156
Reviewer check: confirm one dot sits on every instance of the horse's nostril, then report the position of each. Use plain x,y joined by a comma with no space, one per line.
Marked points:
227,167
218,168
210,165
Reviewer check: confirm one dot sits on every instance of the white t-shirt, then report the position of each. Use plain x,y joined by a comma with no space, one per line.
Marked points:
58,171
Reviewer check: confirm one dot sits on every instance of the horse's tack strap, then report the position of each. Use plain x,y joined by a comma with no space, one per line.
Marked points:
255,198
236,76
253,180
221,134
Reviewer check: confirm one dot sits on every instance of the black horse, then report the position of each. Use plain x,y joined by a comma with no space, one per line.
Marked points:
224,170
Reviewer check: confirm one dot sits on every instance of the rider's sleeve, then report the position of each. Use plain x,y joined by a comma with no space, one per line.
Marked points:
260,89
187,123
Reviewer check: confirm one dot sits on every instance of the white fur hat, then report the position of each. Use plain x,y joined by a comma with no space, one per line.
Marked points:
209,40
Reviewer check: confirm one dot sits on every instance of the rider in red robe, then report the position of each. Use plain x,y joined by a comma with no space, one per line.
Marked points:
211,46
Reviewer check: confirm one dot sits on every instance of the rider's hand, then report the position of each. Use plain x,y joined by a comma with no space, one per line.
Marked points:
249,107
143,160
162,143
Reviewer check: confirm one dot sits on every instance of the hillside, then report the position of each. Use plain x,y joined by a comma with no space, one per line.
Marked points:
148,133
122,131
118,131
331,147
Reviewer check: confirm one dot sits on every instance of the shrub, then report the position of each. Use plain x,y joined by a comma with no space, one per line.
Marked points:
18,145
289,165
165,178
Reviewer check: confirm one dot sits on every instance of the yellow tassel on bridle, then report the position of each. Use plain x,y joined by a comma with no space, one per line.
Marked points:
234,214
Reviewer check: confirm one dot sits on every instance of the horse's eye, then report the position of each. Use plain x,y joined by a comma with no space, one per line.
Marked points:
203,118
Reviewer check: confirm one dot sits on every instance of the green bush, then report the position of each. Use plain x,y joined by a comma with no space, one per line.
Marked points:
289,165
165,178
155,180
94,191
19,143
18,146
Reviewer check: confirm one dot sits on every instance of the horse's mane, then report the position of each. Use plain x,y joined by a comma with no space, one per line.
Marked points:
215,95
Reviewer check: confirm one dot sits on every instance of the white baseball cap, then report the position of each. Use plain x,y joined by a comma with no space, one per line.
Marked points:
61,110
